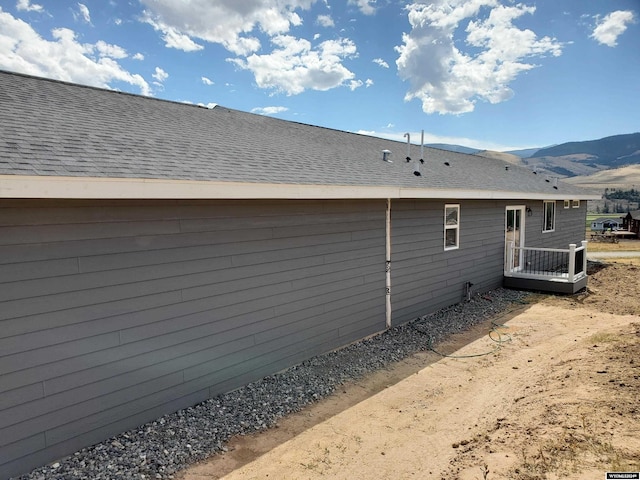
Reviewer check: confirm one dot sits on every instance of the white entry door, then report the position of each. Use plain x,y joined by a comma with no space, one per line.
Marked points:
514,232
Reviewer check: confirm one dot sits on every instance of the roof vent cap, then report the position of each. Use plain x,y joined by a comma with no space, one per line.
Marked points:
386,156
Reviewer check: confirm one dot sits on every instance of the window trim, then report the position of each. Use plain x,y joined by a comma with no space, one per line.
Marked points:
455,227
567,203
575,203
544,216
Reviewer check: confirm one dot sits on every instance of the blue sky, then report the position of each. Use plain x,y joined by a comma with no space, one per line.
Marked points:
493,74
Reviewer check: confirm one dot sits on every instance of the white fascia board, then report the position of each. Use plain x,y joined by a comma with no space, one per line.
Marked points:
50,187
463,194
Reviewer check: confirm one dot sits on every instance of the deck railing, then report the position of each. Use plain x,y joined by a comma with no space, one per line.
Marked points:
553,264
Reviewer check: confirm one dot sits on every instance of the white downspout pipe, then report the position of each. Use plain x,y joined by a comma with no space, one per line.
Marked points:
388,265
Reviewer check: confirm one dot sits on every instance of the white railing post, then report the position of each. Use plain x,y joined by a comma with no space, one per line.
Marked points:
572,261
584,257
510,250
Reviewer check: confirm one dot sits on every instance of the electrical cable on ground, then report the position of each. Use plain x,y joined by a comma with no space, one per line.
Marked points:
495,327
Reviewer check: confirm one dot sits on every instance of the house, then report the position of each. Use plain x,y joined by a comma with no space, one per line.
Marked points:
631,222
154,254
606,223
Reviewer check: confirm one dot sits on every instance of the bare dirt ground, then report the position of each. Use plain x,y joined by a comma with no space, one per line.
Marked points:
560,400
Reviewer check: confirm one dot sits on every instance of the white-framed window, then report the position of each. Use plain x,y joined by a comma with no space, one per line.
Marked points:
575,203
549,216
567,203
451,227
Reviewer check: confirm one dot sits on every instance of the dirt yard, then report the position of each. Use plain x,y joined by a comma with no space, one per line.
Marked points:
558,400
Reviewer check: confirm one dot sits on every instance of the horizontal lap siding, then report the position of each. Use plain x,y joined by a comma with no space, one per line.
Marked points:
424,276
569,228
112,314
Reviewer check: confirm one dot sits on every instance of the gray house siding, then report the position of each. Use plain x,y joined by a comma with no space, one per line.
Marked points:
112,314
570,226
425,277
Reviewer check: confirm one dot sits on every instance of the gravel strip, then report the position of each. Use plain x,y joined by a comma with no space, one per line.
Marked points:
159,449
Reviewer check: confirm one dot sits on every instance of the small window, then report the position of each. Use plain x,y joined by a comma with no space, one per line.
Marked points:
549,216
575,203
451,227
567,203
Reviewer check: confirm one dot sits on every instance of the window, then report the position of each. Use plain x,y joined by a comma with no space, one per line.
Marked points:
575,203
549,216
567,204
451,226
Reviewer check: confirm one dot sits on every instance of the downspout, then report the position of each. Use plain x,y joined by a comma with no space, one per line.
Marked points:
388,264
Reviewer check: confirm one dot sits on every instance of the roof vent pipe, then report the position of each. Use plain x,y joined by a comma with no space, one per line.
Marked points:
416,166
408,135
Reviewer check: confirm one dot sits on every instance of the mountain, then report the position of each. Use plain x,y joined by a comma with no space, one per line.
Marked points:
575,159
452,148
504,156
623,177
588,157
525,153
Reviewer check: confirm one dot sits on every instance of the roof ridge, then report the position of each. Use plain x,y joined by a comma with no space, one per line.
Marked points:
101,89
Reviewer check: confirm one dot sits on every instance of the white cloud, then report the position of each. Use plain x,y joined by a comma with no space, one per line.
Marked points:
160,75
381,62
84,12
612,26
366,6
227,22
200,104
23,50
325,21
353,84
368,82
447,80
269,110
206,81
113,51
294,66
291,66
138,56
27,6
172,37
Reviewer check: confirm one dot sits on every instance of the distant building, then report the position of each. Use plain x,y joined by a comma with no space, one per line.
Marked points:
606,223
631,222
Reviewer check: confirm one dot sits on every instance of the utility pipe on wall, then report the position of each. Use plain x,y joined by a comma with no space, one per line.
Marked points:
388,265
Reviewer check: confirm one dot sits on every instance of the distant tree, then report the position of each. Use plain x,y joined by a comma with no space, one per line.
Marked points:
605,209
631,195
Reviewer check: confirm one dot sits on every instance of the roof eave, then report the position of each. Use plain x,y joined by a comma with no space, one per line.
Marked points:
50,187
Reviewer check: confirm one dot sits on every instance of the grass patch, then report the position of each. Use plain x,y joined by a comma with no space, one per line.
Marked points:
604,338
623,245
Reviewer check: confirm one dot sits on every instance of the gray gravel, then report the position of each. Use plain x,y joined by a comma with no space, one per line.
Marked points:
159,449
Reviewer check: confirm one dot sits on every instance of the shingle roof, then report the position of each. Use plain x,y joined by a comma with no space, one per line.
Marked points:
52,128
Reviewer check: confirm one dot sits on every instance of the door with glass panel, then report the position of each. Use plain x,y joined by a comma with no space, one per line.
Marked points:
514,233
